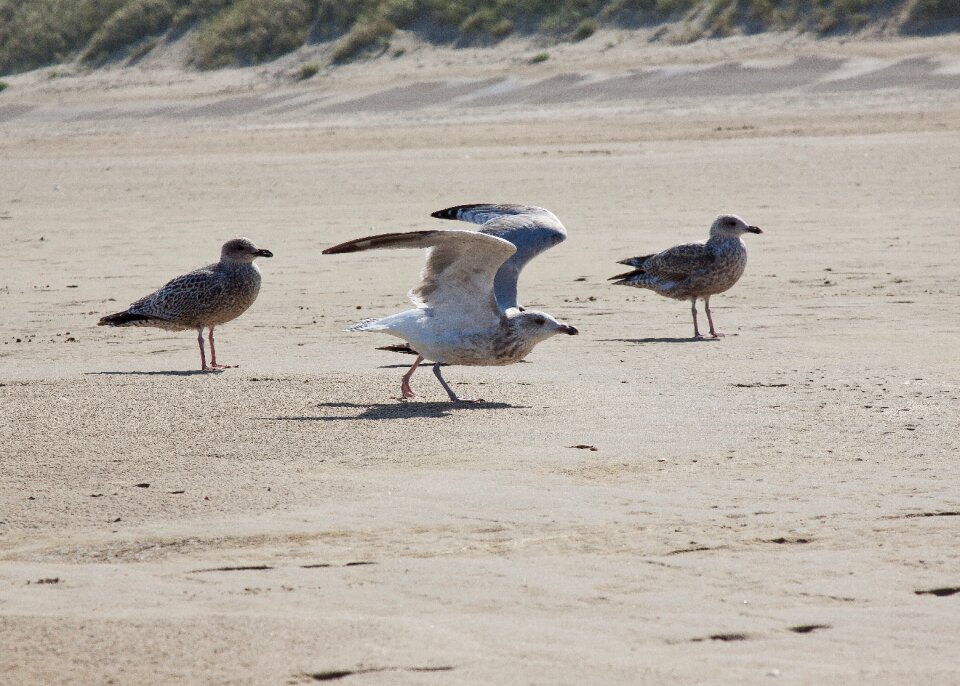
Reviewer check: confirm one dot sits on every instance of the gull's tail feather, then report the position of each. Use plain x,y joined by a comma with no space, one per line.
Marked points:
635,277
631,278
635,261
125,319
366,325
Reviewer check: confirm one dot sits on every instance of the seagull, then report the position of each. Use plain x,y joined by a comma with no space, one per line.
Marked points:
457,318
531,229
694,270
206,297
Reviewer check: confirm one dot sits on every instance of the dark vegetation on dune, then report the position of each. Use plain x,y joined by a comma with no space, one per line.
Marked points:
35,33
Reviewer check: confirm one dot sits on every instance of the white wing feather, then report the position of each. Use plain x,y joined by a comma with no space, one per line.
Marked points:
457,280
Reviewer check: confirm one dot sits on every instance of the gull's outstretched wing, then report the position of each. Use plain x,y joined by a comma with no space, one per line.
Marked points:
457,280
532,229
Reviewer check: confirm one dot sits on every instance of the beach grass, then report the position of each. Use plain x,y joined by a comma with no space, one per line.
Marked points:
225,33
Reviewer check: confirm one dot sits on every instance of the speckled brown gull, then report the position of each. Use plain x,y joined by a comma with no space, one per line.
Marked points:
206,297
457,319
694,270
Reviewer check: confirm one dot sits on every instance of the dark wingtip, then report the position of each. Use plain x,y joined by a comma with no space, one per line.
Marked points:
455,211
337,249
356,245
121,318
378,241
626,275
399,348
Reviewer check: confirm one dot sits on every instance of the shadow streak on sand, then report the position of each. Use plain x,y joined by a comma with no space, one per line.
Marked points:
658,340
172,372
428,364
397,410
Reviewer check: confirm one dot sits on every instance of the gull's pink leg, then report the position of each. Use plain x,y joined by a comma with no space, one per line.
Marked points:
706,306
213,356
405,384
693,310
203,357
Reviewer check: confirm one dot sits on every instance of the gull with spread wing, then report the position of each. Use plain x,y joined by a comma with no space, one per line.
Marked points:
531,229
457,318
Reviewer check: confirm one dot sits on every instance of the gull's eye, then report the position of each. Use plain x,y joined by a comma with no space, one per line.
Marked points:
540,321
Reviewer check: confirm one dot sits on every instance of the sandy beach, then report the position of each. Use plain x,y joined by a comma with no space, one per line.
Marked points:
628,506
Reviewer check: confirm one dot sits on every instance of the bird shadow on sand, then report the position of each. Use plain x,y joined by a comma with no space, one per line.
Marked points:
641,341
171,372
407,366
396,410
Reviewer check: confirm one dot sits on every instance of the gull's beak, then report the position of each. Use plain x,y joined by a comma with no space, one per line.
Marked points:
754,229
569,330
263,253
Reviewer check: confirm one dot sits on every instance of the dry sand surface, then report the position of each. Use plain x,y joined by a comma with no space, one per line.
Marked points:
779,506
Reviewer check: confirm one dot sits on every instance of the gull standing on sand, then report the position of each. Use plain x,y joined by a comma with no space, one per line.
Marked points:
531,229
457,319
694,270
206,297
